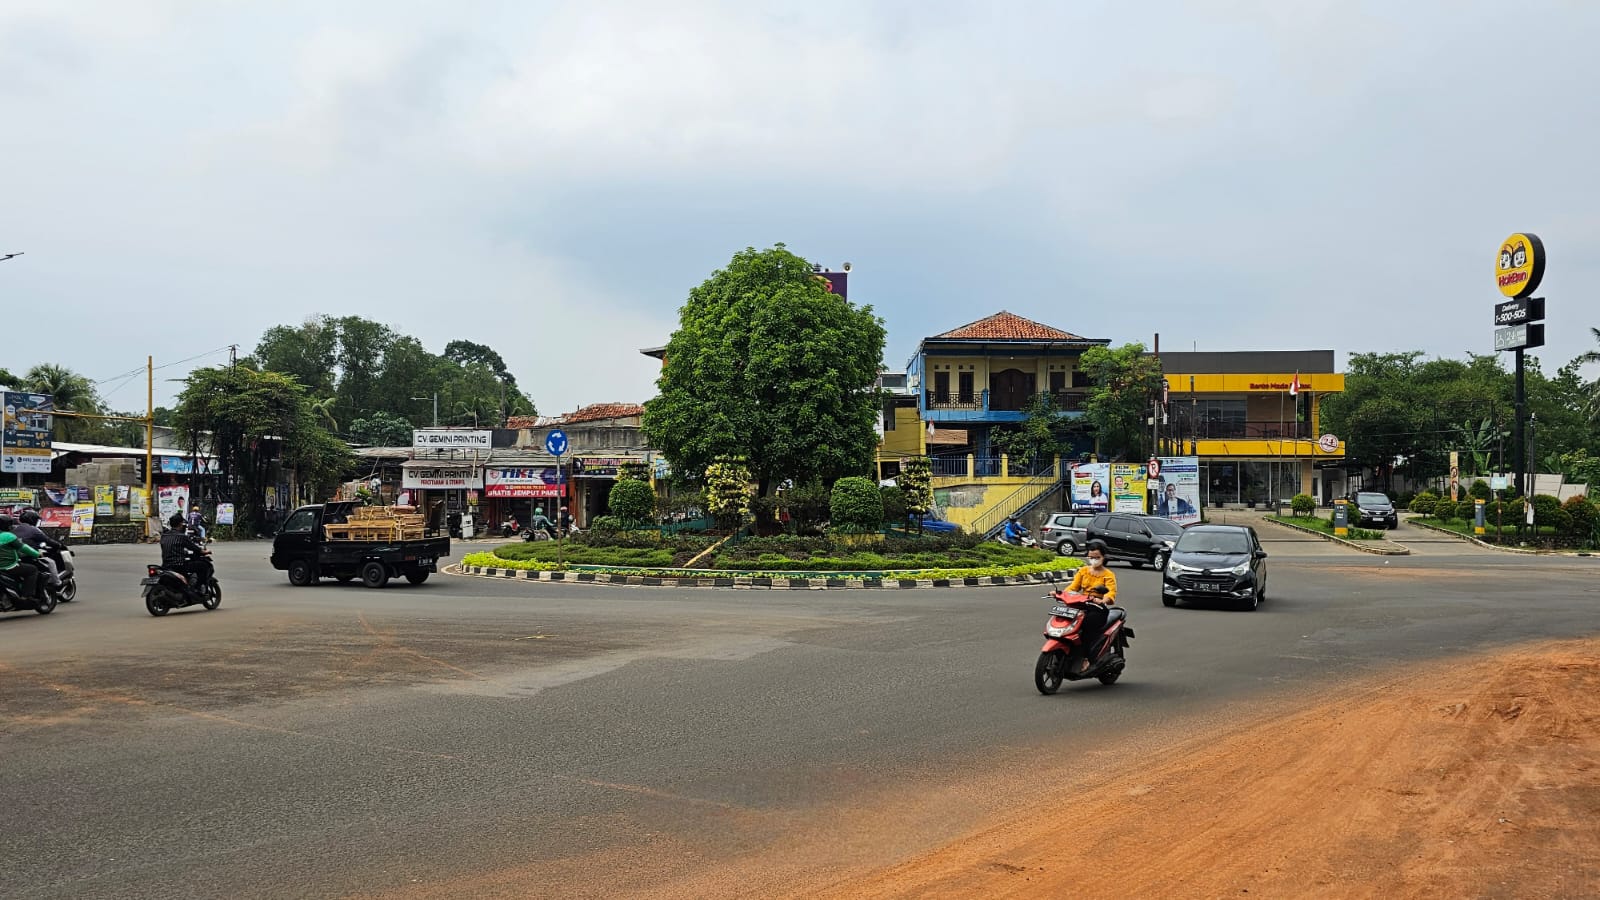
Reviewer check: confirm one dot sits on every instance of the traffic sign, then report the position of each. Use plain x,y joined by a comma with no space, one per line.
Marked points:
556,442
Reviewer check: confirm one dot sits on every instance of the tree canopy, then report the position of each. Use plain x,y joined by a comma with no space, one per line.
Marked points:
769,366
1124,382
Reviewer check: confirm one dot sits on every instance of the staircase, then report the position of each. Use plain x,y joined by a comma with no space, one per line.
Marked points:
1032,492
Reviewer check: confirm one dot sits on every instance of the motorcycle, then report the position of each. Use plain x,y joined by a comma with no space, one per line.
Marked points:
1065,644
68,591
166,590
11,599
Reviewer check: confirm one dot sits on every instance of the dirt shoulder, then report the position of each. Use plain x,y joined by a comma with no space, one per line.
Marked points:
1477,779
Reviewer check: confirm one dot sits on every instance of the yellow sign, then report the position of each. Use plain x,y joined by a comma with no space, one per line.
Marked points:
1519,266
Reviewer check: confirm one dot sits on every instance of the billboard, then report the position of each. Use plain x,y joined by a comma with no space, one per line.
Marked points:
1089,486
450,439
25,437
544,481
1128,488
1177,486
184,465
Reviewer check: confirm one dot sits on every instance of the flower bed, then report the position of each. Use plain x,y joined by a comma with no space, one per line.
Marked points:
1323,526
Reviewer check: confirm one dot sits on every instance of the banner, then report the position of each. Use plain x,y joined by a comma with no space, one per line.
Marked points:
55,517
25,432
1128,488
138,503
83,520
428,439
184,465
540,482
441,477
18,496
105,501
122,495
172,500
1089,482
224,513
1178,489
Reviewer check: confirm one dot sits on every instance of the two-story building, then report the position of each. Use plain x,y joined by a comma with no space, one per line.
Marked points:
1254,418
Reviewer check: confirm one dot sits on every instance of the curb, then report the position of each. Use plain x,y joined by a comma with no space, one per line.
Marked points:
1467,538
1376,551
745,583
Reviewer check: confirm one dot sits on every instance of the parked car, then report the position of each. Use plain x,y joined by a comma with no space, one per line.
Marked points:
1215,562
1373,508
1065,532
1139,540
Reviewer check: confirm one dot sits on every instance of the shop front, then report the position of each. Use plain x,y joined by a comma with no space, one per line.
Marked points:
518,491
446,491
593,477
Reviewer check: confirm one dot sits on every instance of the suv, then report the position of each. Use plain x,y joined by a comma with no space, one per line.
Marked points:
1140,540
1216,562
1374,508
1064,532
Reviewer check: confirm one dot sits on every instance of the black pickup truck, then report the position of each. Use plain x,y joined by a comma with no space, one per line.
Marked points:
303,549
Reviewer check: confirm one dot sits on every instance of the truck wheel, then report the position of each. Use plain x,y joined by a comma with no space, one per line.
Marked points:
416,577
374,575
301,574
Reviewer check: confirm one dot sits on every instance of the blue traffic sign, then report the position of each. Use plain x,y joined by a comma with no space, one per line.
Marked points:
556,442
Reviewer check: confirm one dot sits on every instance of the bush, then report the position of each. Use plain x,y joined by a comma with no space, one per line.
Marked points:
1424,503
606,523
1547,513
1582,515
894,505
856,503
632,501
1480,490
1303,504
1404,500
807,505
727,486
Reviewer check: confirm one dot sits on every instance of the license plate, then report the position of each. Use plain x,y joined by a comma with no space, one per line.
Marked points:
1064,611
148,581
1213,588
424,562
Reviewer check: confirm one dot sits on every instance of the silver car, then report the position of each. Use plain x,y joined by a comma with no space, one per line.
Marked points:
1064,532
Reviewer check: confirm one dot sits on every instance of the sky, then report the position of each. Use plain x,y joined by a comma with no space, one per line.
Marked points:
552,178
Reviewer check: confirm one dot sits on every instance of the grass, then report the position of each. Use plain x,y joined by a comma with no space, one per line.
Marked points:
1323,526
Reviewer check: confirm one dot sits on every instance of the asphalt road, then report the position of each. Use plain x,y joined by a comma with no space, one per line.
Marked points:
595,740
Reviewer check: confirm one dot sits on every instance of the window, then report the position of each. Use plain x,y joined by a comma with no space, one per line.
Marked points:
964,387
1080,379
302,522
1058,382
941,387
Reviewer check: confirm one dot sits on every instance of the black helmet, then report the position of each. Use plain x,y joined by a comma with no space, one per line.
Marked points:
6,523
28,517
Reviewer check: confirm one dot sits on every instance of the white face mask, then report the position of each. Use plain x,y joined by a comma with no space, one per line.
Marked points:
1096,562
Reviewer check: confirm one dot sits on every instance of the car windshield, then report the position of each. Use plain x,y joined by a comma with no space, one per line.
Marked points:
1373,499
1165,527
1213,542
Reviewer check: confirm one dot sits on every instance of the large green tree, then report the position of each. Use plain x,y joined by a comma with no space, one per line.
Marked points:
381,429
1036,437
769,366
248,419
1123,383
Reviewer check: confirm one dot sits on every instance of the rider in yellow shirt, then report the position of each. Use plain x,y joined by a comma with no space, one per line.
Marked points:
1099,584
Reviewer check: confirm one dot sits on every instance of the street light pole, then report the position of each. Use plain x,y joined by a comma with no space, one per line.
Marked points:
435,407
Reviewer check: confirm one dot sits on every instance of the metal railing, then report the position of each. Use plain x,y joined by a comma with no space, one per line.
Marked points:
1014,503
983,401
967,466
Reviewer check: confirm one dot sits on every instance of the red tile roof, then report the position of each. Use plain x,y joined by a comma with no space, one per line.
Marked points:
597,411
1007,326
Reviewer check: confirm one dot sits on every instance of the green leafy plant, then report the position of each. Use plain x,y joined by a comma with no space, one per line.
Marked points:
1582,516
894,505
728,492
1480,490
1547,513
1424,503
856,504
1303,504
633,501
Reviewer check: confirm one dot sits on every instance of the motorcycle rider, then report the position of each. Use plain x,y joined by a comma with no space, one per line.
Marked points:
540,522
1099,584
1014,531
565,520
27,528
180,553
15,559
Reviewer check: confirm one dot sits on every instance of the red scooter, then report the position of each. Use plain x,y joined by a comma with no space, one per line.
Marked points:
1065,644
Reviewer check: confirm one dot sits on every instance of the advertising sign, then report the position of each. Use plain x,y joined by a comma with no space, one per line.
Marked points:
597,466
184,465
122,495
82,520
537,482
1128,488
1519,266
224,513
105,501
18,496
1341,517
171,500
1178,489
450,439
55,517
1519,311
138,503
836,282
1089,481
1478,517
442,477
25,437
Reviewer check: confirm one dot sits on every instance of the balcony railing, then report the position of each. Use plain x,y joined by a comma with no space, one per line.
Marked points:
1065,401
962,465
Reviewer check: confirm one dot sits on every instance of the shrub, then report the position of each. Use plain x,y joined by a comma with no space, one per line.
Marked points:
807,505
856,503
1547,513
632,501
1582,515
1424,503
606,523
1404,500
1480,490
728,492
894,505
1303,504
917,481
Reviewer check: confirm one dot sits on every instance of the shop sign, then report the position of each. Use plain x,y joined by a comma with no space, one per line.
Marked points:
598,466
184,465
1285,386
533,482
1519,266
18,496
1328,443
451,439
442,478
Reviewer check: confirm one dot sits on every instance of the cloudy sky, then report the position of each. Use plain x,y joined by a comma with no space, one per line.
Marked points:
551,178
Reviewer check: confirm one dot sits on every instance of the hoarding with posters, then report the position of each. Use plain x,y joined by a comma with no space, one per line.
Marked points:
1127,488
1178,489
1089,486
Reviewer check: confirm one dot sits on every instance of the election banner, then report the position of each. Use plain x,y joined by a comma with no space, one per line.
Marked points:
1128,488
1089,482
83,520
1178,489
105,501
138,503
172,500
55,517
224,513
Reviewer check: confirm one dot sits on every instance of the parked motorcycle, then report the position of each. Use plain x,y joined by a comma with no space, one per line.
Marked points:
1065,644
11,599
166,590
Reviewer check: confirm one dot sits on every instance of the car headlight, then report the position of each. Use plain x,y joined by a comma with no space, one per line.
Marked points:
1240,569
1173,568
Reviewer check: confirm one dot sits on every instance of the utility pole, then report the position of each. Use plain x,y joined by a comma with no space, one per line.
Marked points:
435,407
233,355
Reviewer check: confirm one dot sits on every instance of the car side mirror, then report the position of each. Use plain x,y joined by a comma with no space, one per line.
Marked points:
1261,554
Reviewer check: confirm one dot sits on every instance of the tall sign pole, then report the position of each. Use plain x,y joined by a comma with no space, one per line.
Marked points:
1519,267
555,443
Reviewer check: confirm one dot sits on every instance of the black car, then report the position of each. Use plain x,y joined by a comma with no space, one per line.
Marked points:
1139,540
1216,562
1066,533
1372,508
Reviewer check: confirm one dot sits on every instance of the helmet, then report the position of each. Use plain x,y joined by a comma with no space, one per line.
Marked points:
6,523
28,517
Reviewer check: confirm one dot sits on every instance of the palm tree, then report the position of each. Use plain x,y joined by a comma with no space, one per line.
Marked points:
70,391
1591,406
323,409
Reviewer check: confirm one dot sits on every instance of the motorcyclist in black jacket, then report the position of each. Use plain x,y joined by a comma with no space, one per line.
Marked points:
27,528
181,553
